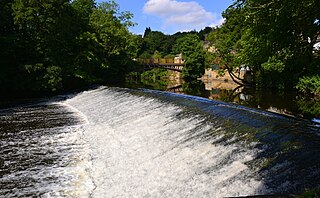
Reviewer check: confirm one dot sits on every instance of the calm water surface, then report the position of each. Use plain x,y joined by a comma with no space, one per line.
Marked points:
289,103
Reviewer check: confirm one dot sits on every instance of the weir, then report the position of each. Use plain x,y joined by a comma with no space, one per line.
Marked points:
145,143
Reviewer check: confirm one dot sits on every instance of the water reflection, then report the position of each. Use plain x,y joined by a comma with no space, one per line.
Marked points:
195,88
285,102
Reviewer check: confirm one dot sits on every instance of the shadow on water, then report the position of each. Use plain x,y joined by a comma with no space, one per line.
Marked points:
280,123
289,148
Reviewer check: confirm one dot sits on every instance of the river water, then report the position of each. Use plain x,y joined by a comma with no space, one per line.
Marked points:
120,142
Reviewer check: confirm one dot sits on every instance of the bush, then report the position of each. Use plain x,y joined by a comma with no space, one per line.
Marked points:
154,74
145,55
170,56
311,194
309,84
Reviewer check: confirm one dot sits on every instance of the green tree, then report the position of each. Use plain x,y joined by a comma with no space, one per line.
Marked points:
275,38
108,44
83,9
147,31
153,41
48,31
204,33
8,43
193,53
284,33
226,40
53,45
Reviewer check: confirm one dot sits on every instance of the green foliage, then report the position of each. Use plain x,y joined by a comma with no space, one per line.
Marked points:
193,53
157,54
53,78
203,33
6,22
107,39
309,84
315,193
158,41
47,31
57,44
155,74
109,30
221,72
225,39
154,41
169,56
133,46
145,55
309,107
83,8
196,88
275,38
146,32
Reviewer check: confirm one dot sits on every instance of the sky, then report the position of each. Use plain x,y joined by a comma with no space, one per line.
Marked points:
171,16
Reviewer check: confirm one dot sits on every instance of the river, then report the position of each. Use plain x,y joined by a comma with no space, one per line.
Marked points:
121,142
285,102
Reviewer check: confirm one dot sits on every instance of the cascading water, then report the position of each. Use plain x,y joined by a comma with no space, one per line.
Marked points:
42,152
113,142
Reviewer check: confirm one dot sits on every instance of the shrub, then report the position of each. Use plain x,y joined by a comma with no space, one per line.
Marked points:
309,84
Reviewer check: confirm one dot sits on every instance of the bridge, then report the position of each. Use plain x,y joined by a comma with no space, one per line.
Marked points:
173,64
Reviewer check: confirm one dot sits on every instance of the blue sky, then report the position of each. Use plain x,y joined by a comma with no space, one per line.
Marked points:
171,16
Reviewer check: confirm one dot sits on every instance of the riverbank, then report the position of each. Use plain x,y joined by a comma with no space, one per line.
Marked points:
215,86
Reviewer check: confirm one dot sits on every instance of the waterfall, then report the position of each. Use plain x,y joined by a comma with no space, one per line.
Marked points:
117,142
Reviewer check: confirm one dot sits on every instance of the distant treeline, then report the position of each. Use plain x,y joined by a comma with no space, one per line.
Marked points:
156,44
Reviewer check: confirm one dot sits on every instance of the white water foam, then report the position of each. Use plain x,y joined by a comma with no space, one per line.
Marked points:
138,149
83,119
67,178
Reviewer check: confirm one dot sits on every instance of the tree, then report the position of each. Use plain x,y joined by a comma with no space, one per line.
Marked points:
204,33
47,31
8,41
193,53
83,9
275,38
53,45
226,41
286,32
146,32
107,46
153,41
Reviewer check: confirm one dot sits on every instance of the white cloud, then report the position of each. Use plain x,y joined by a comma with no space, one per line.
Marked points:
182,15
218,22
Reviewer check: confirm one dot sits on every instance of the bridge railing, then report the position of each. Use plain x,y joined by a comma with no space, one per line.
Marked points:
161,61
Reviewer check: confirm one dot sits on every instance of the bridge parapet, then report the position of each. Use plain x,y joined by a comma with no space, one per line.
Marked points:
166,63
161,61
